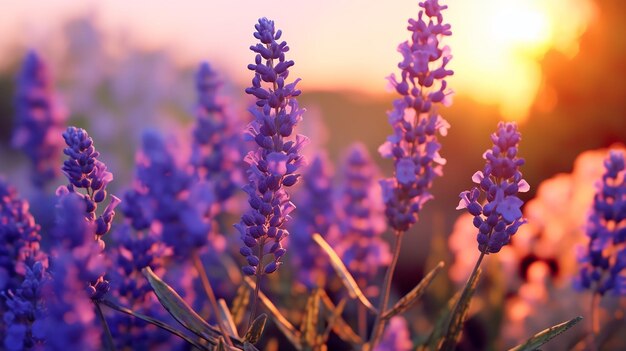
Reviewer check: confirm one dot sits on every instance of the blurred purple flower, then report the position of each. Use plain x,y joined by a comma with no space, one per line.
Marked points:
39,120
396,336
22,271
168,201
415,119
603,261
361,219
217,143
26,309
500,181
273,165
316,196
19,238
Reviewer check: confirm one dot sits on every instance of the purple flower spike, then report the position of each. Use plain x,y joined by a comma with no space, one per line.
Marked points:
361,218
500,181
39,120
603,261
85,171
274,164
317,198
216,150
415,119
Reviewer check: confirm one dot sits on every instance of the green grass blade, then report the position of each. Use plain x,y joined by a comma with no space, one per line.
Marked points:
546,335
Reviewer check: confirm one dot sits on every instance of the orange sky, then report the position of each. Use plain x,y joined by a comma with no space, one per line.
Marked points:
337,44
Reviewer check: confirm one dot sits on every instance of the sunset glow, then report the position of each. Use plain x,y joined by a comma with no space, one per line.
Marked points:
341,45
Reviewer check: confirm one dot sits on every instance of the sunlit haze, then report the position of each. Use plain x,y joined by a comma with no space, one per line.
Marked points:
336,44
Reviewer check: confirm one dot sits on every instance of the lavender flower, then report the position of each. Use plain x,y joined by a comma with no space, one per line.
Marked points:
85,171
317,198
26,310
166,199
361,218
19,238
500,181
22,272
39,120
273,165
396,336
131,255
604,260
216,145
415,119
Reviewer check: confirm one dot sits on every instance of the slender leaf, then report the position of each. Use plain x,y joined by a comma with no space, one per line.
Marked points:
311,317
179,309
546,335
459,314
333,318
414,295
340,327
348,280
109,345
155,322
436,335
227,318
240,303
292,334
256,329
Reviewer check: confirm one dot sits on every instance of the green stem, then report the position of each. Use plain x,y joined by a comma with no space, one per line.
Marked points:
449,344
206,284
379,324
153,321
108,339
257,287
594,311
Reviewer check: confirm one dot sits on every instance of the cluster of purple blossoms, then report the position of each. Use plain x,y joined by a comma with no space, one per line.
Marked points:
22,273
415,120
319,217
273,165
216,150
84,171
361,219
500,181
78,268
39,121
133,252
167,200
604,260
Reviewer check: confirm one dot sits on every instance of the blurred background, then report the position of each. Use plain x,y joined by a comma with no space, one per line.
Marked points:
557,67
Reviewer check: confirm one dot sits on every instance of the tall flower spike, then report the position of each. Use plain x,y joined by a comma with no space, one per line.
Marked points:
603,262
415,119
85,171
316,195
500,182
216,150
274,164
361,219
39,120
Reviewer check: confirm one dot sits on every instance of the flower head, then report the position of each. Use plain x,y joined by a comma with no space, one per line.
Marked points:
216,148
316,196
274,164
500,181
415,119
39,120
603,261
361,219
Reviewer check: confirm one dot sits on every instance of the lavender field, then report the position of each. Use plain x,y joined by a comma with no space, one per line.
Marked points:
157,197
